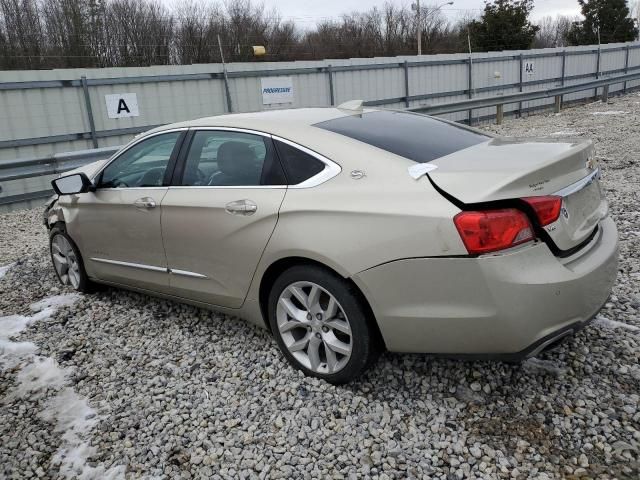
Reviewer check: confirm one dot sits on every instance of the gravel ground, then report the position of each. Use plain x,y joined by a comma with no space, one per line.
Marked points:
117,384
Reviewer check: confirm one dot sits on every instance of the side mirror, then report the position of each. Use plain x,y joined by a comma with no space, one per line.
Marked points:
76,183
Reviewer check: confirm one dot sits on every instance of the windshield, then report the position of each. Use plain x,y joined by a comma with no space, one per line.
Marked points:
416,137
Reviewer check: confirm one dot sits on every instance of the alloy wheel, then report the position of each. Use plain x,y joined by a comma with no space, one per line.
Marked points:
65,261
314,327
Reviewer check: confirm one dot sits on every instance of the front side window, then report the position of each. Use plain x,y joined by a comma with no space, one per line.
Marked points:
143,165
219,158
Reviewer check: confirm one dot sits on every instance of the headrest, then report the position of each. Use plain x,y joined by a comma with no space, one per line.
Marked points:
236,159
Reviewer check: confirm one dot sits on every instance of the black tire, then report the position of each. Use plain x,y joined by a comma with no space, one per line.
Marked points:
84,285
365,344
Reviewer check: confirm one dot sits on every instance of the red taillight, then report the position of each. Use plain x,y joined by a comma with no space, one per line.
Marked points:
547,208
493,230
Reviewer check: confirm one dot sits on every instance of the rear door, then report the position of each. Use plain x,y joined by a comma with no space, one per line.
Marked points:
220,212
117,227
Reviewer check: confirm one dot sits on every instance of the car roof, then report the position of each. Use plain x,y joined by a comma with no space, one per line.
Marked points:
285,123
298,125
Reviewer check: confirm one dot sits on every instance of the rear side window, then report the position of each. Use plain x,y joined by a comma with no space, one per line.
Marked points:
298,165
416,137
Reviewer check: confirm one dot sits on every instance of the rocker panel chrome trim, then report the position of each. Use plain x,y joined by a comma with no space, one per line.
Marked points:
131,265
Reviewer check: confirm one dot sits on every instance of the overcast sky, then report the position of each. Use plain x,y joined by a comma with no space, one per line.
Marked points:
307,13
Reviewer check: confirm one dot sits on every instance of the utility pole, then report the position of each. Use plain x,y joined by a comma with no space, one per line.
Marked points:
226,78
419,19
416,7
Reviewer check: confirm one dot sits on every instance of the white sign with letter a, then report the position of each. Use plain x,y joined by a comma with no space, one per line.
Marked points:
122,105
529,68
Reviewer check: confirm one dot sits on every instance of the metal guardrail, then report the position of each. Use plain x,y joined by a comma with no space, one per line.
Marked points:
50,165
62,162
501,100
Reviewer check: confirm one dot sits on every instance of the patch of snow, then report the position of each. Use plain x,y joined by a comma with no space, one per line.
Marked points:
37,375
16,349
611,112
613,324
55,302
4,269
14,324
34,374
568,133
75,419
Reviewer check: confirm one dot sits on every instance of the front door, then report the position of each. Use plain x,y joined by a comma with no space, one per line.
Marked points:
117,227
219,216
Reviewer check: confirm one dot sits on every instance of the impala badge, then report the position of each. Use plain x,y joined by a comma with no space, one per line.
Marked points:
565,213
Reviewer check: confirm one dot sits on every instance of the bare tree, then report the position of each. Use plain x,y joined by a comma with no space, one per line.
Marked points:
21,36
553,31
397,29
105,33
197,26
140,33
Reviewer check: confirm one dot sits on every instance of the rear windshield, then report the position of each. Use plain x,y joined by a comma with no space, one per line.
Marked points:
416,137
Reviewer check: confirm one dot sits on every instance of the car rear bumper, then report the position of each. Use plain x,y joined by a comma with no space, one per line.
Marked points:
507,305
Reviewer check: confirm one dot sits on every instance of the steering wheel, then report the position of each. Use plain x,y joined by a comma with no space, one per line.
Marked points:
152,178
120,184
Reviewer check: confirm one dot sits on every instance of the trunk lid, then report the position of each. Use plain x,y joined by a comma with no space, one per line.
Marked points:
512,168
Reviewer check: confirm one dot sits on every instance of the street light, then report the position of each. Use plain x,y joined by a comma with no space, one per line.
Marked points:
416,7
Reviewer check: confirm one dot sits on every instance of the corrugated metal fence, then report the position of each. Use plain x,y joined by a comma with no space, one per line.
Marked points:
50,111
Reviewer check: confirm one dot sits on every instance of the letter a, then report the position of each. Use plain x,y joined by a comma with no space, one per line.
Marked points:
122,106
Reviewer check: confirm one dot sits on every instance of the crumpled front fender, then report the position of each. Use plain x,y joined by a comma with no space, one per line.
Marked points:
53,212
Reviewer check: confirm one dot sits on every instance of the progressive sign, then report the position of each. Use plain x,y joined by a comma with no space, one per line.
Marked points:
276,90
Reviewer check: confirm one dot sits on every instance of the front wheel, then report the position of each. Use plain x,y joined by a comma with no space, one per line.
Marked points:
67,261
321,325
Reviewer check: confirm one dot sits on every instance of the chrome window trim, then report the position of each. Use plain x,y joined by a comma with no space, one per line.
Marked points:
579,185
330,170
226,187
130,145
130,264
232,129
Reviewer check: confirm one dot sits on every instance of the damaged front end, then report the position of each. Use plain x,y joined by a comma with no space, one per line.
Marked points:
52,212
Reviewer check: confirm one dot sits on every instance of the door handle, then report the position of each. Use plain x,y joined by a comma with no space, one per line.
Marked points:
145,203
241,207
